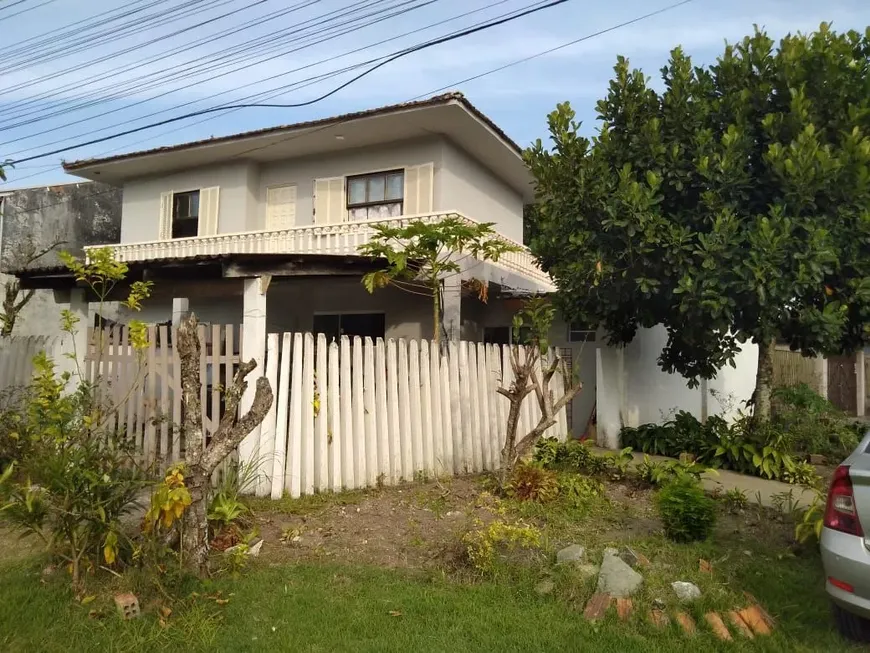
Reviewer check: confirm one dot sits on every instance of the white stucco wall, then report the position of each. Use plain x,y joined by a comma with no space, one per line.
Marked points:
304,171
633,390
140,212
460,184
470,188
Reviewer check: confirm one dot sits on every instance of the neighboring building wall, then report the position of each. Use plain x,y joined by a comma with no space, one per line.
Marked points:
632,389
79,214
473,190
460,184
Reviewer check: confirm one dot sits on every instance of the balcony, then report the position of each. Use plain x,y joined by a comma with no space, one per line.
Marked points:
335,239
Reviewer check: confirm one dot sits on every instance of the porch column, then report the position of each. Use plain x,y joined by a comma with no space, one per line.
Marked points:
451,308
180,309
253,346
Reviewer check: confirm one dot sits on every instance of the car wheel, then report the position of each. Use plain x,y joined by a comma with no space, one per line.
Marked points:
851,626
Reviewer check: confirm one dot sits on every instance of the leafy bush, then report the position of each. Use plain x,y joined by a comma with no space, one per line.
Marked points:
78,477
686,512
812,424
663,472
532,482
483,544
577,489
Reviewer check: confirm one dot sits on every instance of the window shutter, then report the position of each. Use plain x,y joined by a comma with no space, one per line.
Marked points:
419,189
329,203
209,208
164,229
280,207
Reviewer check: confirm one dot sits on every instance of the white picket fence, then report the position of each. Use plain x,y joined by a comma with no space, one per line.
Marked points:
16,357
353,414
349,414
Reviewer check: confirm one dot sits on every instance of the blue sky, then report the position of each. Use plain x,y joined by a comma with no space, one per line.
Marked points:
518,98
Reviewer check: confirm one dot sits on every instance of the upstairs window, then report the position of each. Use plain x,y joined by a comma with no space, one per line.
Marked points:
380,195
185,214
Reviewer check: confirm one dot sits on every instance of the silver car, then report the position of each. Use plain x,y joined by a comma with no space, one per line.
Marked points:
845,547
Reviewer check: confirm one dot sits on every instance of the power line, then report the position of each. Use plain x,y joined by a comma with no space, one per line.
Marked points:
79,84
24,11
231,58
61,34
394,57
475,77
270,93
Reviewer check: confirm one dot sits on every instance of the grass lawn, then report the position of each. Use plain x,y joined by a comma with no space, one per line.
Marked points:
373,572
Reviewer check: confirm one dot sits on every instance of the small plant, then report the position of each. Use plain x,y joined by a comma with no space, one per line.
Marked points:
169,500
484,543
577,489
225,509
664,472
804,474
531,482
735,500
812,520
686,512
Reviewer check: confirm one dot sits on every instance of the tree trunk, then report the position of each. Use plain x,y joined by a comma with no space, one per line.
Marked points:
763,382
436,313
200,460
194,534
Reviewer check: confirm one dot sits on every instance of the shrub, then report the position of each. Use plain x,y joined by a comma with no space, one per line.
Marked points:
812,424
531,482
577,489
484,543
666,471
78,477
687,513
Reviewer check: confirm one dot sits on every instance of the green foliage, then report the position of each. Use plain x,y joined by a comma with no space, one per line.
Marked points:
577,456
421,253
735,500
729,206
744,446
531,325
686,512
169,500
666,471
75,478
812,424
484,543
812,520
577,490
532,482
225,509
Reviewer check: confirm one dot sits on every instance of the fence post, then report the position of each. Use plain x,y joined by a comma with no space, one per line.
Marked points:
253,347
860,383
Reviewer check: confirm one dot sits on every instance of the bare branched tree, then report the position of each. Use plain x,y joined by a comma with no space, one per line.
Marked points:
533,370
202,459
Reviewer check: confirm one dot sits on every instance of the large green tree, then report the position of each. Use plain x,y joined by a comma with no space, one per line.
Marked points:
733,204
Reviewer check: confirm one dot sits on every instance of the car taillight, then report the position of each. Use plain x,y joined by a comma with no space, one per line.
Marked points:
840,512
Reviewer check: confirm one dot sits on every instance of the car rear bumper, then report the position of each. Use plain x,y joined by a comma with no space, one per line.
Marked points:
846,559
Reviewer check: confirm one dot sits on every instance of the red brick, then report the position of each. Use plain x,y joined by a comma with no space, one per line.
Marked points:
740,625
717,626
624,608
659,618
754,619
597,606
686,623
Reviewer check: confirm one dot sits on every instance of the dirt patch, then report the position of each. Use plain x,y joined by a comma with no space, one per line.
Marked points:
406,526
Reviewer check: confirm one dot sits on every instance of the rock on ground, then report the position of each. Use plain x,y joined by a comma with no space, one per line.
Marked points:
617,578
571,553
686,591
